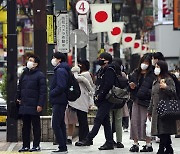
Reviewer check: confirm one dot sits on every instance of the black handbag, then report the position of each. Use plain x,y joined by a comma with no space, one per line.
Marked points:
169,109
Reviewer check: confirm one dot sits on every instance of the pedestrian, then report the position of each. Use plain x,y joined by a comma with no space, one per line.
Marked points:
104,83
163,88
85,101
140,82
58,99
116,113
31,96
157,56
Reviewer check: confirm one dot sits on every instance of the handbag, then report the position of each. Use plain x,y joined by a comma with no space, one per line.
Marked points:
118,96
169,109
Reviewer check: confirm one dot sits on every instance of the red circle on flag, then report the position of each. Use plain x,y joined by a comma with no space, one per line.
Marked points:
136,45
116,31
111,50
128,39
143,47
101,16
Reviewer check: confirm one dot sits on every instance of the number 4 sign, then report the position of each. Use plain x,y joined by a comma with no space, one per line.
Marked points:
82,7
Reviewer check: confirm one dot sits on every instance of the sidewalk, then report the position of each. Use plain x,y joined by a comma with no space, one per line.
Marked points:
47,147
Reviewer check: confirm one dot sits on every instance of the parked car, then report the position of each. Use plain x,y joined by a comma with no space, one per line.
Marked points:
3,111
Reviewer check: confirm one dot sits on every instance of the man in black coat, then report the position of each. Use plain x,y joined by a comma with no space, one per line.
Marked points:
105,81
58,98
31,96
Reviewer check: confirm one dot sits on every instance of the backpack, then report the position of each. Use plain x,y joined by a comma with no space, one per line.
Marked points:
74,91
177,84
119,95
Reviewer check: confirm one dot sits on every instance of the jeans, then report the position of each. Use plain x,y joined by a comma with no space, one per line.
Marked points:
59,126
102,118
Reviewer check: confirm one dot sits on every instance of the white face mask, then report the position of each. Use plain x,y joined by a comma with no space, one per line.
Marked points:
176,74
30,64
54,62
144,66
157,71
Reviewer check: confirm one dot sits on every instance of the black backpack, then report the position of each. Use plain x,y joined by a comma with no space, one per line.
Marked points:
74,91
177,84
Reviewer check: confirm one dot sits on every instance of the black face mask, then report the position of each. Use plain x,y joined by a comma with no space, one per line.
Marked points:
100,62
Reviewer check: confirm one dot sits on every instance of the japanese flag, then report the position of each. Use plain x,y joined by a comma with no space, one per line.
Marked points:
137,47
116,32
144,48
128,40
101,16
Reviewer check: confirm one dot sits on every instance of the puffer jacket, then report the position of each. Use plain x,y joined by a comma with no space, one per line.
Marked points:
59,85
32,91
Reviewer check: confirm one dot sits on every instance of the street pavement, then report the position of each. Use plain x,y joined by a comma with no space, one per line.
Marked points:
47,147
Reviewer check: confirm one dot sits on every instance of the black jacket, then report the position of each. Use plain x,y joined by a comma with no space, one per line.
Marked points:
105,81
32,91
143,90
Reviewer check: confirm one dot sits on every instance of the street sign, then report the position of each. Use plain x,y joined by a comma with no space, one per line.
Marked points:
82,7
82,23
82,38
63,33
50,29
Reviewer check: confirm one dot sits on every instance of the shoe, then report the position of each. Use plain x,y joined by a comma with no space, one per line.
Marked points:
68,141
114,143
79,143
160,151
119,145
125,130
35,149
106,146
177,136
60,151
86,142
147,149
23,149
134,148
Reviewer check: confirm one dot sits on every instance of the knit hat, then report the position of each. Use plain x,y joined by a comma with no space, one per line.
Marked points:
75,69
106,56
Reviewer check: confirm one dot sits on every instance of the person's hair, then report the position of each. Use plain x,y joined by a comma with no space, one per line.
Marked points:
85,64
159,56
60,55
145,58
106,56
117,62
36,58
164,68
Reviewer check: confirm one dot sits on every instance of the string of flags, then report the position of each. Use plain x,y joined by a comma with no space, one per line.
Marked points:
101,16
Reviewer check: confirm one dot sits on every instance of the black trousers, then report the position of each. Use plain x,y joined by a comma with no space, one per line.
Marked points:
125,122
59,126
26,130
83,124
165,141
102,118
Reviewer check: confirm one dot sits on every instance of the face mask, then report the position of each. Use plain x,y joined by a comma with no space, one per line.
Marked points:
144,66
53,62
30,64
101,62
176,74
157,71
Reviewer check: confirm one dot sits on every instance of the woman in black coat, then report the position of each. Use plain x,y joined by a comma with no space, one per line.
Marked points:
140,83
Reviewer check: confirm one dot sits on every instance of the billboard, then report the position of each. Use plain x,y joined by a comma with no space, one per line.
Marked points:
176,14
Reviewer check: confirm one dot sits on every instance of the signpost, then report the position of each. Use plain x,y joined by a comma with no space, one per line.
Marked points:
63,32
82,7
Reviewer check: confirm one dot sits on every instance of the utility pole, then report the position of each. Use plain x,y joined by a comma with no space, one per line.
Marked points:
11,68
39,11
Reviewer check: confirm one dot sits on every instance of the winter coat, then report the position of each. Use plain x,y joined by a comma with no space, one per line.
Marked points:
87,89
143,91
32,91
160,126
104,82
59,85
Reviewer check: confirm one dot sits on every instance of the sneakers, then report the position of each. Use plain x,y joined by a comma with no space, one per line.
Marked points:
125,130
147,149
119,145
68,141
35,149
134,148
24,149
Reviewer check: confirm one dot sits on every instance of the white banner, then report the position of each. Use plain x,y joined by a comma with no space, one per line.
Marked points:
62,22
82,23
